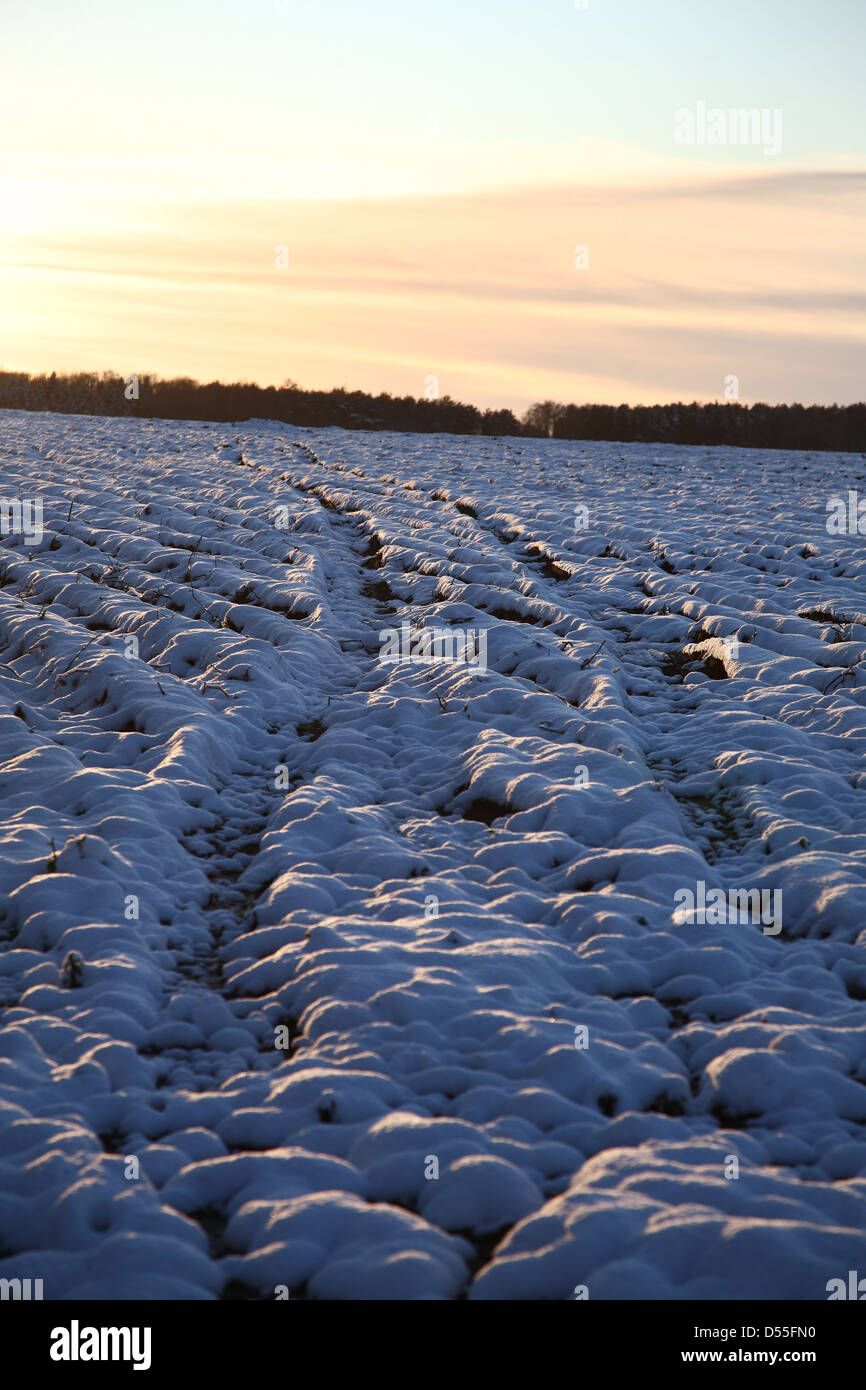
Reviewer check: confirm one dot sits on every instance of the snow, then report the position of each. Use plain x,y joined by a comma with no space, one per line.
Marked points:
364,978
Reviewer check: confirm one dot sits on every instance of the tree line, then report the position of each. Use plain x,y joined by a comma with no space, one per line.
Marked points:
759,426
749,426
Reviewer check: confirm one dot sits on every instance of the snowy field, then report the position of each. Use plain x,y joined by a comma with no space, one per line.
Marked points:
535,974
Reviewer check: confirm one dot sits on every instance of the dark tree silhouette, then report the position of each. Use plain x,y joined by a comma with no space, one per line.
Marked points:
758,426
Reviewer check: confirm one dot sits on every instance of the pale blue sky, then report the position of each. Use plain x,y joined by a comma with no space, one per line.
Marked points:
254,79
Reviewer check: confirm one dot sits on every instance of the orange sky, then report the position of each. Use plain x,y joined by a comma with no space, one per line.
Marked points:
760,276
431,171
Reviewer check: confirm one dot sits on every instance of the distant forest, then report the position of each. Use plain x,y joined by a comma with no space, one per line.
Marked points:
748,426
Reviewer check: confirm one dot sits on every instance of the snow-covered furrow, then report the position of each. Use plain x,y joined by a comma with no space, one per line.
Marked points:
363,979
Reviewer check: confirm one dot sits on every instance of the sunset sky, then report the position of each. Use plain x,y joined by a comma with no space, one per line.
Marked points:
431,170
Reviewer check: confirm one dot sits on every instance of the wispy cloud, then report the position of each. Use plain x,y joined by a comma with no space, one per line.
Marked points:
679,286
